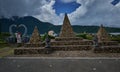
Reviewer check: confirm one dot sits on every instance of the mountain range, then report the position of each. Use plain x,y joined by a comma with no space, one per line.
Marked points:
30,22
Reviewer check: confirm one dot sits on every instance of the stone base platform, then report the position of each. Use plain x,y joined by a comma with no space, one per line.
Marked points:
72,47
83,42
34,45
68,39
41,50
107,49
29,51
20,51
108,43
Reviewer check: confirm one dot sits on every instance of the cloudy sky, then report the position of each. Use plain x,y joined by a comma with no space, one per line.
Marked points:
80,12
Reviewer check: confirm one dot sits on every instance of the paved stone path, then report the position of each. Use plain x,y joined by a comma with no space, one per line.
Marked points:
60,64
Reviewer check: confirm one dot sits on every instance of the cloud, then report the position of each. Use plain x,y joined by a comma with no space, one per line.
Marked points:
80,12
19,7
67,1
47,14
91,12
41,9
96,12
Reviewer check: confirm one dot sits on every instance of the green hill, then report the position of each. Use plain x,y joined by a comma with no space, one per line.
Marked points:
43,27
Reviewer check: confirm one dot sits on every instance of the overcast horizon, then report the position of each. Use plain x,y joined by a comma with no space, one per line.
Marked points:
80,12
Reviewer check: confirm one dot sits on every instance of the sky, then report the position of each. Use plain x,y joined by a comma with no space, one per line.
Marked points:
80,12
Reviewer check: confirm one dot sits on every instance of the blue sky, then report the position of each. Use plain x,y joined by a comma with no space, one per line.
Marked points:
80,12
62,7
114,2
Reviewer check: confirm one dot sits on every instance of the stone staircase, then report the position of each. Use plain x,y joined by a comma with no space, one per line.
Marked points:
75,43
67,44
33,45
59,44
71,44
68,39
108,43
105,43
72,47
108,47
30,50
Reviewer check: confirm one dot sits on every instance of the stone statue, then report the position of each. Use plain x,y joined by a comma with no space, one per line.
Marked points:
18,37
48,48
47,41
95,40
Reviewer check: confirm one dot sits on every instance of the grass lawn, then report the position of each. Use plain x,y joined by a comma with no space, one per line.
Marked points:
6,51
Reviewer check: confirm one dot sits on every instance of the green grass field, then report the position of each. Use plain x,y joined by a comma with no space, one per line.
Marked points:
6,52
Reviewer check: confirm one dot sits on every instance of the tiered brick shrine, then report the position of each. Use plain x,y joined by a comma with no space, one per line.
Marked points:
66,30
67,39
104,42
72,45
102,34
34,46
35,40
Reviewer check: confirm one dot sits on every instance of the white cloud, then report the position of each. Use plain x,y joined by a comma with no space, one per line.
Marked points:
96,12
47,14
19,7
81,11
91,12
67,1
